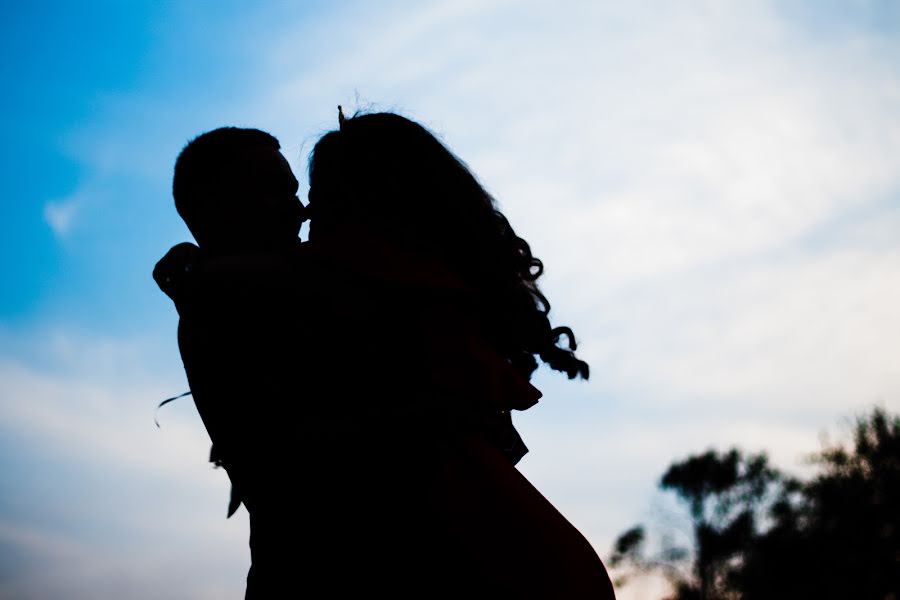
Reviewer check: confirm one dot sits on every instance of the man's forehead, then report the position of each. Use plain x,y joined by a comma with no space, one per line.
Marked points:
269,159
284,161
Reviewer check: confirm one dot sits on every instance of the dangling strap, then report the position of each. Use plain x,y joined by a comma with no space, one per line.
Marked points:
166,401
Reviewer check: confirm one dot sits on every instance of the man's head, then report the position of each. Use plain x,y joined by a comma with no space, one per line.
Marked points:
236,192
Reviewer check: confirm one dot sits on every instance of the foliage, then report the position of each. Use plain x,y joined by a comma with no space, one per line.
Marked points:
758,533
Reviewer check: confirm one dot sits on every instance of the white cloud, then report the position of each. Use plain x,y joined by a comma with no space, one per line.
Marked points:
50,565
60,214
113,506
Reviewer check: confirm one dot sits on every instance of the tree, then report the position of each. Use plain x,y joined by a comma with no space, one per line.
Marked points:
760,534
725,494
838,534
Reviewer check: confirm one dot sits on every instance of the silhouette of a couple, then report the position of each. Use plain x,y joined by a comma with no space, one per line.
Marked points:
357,387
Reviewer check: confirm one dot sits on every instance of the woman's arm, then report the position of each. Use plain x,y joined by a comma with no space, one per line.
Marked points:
186,272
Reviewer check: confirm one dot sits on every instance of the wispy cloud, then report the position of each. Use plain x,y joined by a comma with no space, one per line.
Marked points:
111,505
50,565
60,215
705,184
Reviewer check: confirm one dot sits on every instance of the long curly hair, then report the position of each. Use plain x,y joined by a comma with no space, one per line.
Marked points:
385,171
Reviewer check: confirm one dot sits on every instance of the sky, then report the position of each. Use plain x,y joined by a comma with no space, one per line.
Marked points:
713,187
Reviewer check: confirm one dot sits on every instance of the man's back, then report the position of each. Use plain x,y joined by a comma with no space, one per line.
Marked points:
290,376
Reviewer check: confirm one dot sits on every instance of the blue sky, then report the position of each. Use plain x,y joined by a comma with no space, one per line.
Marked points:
713,188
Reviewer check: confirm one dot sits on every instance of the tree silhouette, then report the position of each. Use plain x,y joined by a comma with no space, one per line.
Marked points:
838,534
725,494
758,533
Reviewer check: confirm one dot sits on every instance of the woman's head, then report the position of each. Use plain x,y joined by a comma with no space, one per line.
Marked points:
388,173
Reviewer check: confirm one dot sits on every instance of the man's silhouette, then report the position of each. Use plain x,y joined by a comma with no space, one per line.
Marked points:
309,374
240,328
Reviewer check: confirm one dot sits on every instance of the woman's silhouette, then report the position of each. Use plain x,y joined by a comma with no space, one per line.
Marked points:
453,330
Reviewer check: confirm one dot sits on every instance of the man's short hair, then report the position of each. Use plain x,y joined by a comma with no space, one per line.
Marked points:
210,166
